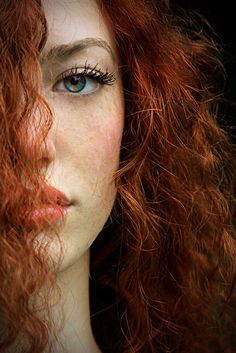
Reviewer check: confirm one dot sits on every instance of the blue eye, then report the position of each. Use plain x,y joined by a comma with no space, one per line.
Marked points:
76,84
83,81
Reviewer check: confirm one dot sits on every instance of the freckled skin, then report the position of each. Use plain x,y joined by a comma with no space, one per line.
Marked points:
87,130
80,156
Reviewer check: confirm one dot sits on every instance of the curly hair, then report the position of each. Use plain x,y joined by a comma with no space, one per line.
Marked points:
162,275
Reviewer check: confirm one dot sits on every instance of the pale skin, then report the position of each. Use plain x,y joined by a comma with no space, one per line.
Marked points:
81,154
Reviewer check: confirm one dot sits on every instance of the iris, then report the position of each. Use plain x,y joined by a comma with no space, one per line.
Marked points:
75,83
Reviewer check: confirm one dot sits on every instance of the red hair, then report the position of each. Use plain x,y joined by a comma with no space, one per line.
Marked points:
165,272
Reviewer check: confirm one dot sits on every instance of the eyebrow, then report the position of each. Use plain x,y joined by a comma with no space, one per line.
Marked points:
63,51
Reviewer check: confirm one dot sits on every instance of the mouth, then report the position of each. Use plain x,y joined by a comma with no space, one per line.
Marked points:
55,207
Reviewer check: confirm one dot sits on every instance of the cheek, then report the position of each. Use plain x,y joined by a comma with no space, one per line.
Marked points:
89,133
111,145
106,139
103,153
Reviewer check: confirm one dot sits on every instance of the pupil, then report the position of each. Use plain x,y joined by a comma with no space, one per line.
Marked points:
74,80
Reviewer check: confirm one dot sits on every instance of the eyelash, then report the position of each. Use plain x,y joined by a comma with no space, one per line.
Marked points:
103,78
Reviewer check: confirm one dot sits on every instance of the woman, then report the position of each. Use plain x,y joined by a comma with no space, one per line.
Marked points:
108,132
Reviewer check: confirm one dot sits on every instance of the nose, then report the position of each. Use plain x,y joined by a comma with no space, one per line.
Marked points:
39,144
47,152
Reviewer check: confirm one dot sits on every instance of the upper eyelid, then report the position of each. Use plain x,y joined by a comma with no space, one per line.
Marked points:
69,72
91,71
52,73
86,68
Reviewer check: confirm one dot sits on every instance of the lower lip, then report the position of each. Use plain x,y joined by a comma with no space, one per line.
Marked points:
47,215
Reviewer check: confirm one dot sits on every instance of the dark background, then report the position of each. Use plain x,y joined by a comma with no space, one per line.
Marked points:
221,15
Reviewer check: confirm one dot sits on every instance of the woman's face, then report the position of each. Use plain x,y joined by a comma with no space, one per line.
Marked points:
82,147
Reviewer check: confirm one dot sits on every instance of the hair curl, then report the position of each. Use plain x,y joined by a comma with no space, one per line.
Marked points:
165,273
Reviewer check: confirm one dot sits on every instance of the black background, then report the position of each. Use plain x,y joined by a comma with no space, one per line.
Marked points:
222,16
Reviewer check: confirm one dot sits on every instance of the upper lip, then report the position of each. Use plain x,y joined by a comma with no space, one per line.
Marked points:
51,195
57,196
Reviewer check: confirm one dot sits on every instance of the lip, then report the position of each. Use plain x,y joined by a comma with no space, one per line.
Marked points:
56,196
55,206
48,214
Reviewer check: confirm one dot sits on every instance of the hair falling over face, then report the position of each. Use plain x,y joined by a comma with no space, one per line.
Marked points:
163,278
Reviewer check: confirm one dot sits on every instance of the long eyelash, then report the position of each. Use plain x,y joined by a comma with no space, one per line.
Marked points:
104,78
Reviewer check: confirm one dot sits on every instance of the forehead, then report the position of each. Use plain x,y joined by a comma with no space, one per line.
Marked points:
71,20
